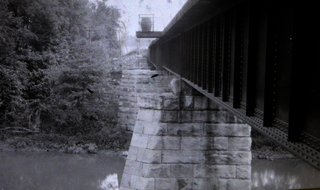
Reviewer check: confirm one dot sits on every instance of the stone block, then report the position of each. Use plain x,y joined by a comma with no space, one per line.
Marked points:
200,102
227,130
155,128
132,154
149,156
125,188
128,110
169,116
156,170
244,172
145,115
171,143
214,116
228,157
222,184
185,156
214,106
172,103
155,143
192,129
157,115
238,184
139,140
185,116
139,127
165,183
214,171
142,183
220,143
199,116
239,143
205,184
150,102
187,102
191,143
125,180
133,167
181,170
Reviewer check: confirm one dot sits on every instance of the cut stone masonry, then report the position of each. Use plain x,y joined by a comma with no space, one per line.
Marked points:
181,140
186,142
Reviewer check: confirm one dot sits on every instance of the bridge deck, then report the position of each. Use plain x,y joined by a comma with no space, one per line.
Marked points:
257,59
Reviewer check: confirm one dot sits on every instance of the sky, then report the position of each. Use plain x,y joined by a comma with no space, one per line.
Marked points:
163,10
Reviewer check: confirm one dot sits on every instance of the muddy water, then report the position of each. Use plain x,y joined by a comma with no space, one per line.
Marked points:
283,174
50,171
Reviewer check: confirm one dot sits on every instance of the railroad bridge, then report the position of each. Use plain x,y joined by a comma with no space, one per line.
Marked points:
233,65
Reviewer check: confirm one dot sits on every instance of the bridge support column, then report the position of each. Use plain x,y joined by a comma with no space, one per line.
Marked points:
186,142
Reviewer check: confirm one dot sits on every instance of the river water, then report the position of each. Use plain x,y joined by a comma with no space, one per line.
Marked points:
59,171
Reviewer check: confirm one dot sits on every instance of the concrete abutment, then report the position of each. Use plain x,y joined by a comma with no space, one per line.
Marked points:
181,139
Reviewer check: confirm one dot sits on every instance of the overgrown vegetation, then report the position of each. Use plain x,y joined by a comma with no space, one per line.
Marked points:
55,69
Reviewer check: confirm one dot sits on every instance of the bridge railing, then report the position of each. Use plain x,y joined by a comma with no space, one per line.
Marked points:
241,54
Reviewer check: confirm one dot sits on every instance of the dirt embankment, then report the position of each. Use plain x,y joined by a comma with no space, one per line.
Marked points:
263,148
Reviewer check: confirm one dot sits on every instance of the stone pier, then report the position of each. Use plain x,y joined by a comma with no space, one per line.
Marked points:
182,140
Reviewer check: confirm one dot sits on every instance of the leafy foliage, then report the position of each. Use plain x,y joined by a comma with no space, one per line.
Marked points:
53,70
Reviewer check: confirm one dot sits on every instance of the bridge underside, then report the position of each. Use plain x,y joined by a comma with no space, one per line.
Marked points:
257,59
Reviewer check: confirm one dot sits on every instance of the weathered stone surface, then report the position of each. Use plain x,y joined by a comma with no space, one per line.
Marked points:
165,183
205,184
142,183
244,172
149,156
185,116
227,130
150,102
171,103
175,86
220,143
239,143
214,171
155,128
186,156
187,102
139,140
139,127
126,180
156,170
238,184
132,155
165,154
171,143
157,115
199,116
192,143
228,157
169,116
145,115
133,167
155,143
192,129
125,188
200,102
181,170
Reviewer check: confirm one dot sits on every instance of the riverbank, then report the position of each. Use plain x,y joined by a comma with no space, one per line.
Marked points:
262,148
58,143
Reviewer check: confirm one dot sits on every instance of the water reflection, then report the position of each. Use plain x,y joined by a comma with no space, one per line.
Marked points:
110,183
283,174
58,171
